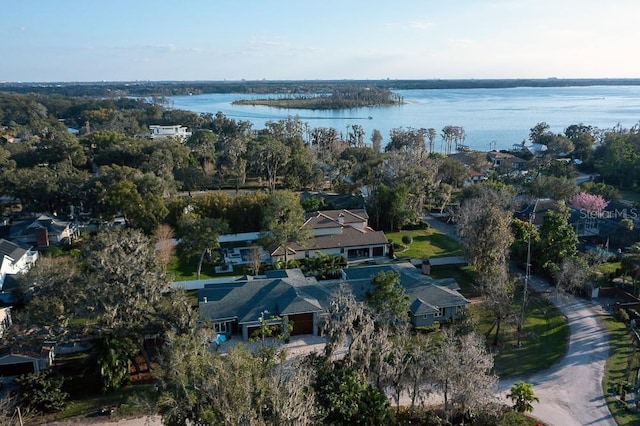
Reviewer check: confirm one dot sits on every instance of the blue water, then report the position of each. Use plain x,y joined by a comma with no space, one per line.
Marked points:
491,118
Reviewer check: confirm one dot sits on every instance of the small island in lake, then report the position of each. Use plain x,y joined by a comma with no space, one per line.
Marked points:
339,98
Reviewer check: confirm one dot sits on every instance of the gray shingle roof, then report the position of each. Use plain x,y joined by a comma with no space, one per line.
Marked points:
349,237
420,307
294,294
11,249
248,299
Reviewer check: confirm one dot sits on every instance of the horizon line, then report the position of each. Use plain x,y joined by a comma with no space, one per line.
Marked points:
243,80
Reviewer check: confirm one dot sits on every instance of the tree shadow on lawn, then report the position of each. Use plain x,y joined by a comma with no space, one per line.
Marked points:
542,344
443,245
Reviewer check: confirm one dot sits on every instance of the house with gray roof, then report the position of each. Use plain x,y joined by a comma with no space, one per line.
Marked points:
238,306
15,258
343,233
45,230
430,300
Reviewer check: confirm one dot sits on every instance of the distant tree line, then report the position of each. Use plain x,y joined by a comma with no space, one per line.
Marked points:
175,88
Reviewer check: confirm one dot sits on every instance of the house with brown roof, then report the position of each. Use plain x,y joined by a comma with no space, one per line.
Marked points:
343,233
505,161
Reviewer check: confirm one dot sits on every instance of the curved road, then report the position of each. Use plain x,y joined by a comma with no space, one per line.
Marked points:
570,392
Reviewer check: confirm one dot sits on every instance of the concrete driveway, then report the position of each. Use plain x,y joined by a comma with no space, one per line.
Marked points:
570,392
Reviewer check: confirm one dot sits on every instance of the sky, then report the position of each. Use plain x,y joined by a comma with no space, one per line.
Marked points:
130,40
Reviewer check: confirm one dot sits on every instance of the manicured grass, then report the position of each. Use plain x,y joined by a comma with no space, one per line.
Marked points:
544,340
622,366
181,271
426,243
465,275
609,267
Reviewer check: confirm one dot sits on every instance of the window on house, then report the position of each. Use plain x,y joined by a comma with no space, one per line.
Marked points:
440,313
220,327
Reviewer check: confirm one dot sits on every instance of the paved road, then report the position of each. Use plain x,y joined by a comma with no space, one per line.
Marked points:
570,392
82,420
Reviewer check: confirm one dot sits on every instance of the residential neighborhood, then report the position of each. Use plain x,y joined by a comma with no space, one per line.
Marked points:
193,251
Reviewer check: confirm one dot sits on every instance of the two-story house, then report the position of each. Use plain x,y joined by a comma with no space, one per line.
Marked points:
343,233
14,259
176,131
44,231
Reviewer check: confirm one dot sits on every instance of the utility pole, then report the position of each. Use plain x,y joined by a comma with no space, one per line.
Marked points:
527,273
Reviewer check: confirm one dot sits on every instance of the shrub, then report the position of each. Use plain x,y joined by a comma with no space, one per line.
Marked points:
622,315
42,391
397,248
406,239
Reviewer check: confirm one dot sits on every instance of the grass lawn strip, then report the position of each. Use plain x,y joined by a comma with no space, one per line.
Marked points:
621,367
544,342
426,243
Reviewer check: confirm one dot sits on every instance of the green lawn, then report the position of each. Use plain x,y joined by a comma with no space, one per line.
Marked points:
622,366
609,267
181,271
465,275
426,243
543,343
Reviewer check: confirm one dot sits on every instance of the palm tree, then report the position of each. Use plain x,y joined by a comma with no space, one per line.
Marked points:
522,397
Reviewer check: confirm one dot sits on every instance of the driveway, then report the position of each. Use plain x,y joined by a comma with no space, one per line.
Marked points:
570,392
446,228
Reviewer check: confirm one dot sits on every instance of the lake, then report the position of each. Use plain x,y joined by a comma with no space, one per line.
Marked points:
491,118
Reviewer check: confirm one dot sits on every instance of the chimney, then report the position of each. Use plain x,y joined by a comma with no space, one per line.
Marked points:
426,267
204,299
